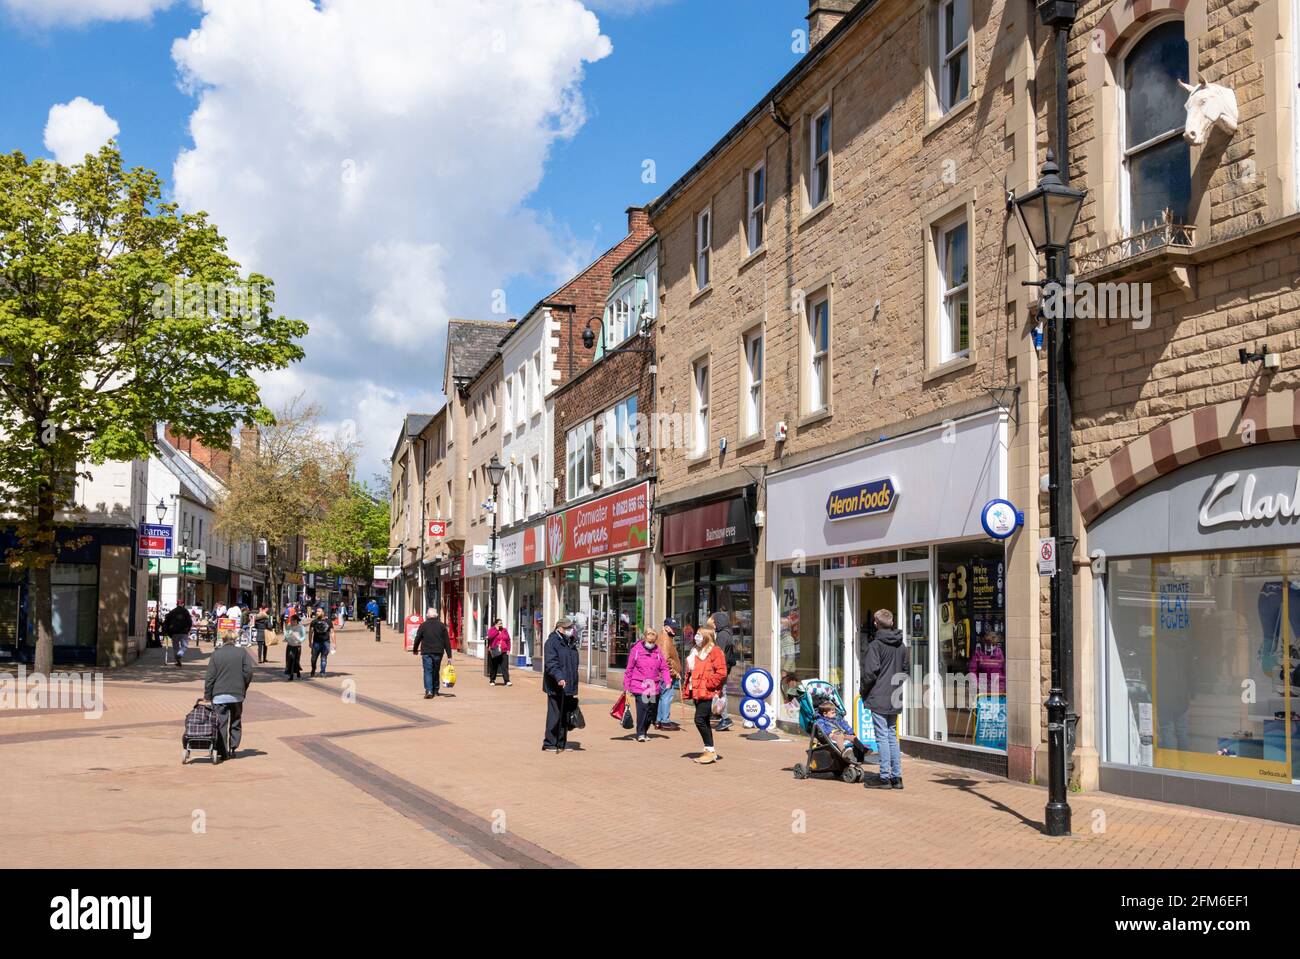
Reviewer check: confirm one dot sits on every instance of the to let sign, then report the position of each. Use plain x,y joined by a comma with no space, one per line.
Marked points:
155,541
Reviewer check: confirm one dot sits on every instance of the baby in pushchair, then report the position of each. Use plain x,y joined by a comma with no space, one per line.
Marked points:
833,748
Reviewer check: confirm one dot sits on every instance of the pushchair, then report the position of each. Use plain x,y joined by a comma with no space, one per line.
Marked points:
200,731
837,752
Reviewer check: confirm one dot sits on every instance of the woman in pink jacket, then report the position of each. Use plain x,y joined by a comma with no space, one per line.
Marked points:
498,640
646,676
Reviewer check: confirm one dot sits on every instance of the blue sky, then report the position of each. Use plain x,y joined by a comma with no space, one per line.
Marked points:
679,74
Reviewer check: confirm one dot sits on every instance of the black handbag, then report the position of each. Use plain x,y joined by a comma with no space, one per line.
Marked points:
575,719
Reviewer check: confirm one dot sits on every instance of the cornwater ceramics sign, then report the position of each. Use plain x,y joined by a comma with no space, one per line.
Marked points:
617,523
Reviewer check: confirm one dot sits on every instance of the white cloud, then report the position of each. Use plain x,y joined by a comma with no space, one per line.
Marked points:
50,13
621,7
374,159
76,128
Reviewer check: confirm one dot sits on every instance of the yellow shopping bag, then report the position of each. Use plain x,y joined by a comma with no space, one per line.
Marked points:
449,675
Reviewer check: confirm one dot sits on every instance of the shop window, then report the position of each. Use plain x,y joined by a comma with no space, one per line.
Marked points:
1202,670
752,400
953,248
75,602
579,460
799,594
700,407
703,248
1157,165
819,169
952,73
971,644
755,207
818,350
619,441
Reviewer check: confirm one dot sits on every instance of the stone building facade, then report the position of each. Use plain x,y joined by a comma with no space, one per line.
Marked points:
1186,648
843,308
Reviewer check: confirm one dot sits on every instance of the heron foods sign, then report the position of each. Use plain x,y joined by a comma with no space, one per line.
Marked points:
865,499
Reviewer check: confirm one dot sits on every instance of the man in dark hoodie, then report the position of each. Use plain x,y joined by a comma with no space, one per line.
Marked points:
225,686
883,673
721,623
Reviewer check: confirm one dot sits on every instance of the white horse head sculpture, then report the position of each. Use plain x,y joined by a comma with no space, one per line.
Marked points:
1208,105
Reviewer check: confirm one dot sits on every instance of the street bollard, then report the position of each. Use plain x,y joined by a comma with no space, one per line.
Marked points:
378,626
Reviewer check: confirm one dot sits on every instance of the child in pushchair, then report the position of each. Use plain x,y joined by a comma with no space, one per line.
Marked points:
833,748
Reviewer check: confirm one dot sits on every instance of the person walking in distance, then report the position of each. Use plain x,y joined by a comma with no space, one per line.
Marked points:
498,638
295,634
432,642
645,678
177,624
883,673
225,686
706,674
321,635
667,640
261,623
559,682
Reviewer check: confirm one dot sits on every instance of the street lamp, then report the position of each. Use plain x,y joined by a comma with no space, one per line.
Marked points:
496,470
161,509
1048,214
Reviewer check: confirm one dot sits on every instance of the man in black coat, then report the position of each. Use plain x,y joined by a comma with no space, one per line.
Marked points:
226,685
883,673
433,641
559,682
177,625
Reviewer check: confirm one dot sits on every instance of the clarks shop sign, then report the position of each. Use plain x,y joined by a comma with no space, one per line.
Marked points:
1235,499
866,499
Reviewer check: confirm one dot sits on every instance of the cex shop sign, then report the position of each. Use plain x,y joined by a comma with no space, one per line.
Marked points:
437,528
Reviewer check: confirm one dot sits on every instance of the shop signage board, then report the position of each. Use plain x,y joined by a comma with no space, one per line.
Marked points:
437,528
991,720
155,541
1047,556
613,524
947,473
385,572
523,548
1000,518
725,523
871,498
863,727
412,626
195,564
167,567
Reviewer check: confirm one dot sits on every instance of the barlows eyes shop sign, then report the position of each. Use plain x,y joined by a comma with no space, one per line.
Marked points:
864,499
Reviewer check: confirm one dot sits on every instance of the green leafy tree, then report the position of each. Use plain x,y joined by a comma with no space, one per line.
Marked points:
351,533
117,312
283,484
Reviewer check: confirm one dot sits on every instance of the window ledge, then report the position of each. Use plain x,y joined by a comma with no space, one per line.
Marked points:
808,419
942,121
752,258
948,366
701,294
814,214
695,459
753,441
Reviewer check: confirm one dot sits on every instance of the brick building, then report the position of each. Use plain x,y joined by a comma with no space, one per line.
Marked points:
598,553
846,342
1186,452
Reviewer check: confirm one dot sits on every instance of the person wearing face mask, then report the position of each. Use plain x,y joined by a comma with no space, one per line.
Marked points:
560,682
706,674
645,678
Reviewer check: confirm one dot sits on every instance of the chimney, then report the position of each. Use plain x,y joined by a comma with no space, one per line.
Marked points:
638,220
823,15
249,440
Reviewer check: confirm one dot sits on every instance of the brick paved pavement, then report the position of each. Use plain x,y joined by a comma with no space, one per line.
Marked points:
359,770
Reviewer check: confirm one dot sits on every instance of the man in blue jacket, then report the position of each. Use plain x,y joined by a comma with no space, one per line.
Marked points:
560,682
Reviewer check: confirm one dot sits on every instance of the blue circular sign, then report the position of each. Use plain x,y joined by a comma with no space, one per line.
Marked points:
751,708
757,683
763,721
1000,518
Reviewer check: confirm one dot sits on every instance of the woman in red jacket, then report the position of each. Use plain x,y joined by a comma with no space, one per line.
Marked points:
706,673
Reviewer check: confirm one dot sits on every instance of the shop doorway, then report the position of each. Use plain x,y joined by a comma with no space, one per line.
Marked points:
10,610
594,650
916,632
849,601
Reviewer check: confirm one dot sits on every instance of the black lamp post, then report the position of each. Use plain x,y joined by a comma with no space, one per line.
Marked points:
1048,214
496,470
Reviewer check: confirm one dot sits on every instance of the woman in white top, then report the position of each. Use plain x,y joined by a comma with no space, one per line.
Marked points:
295,634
